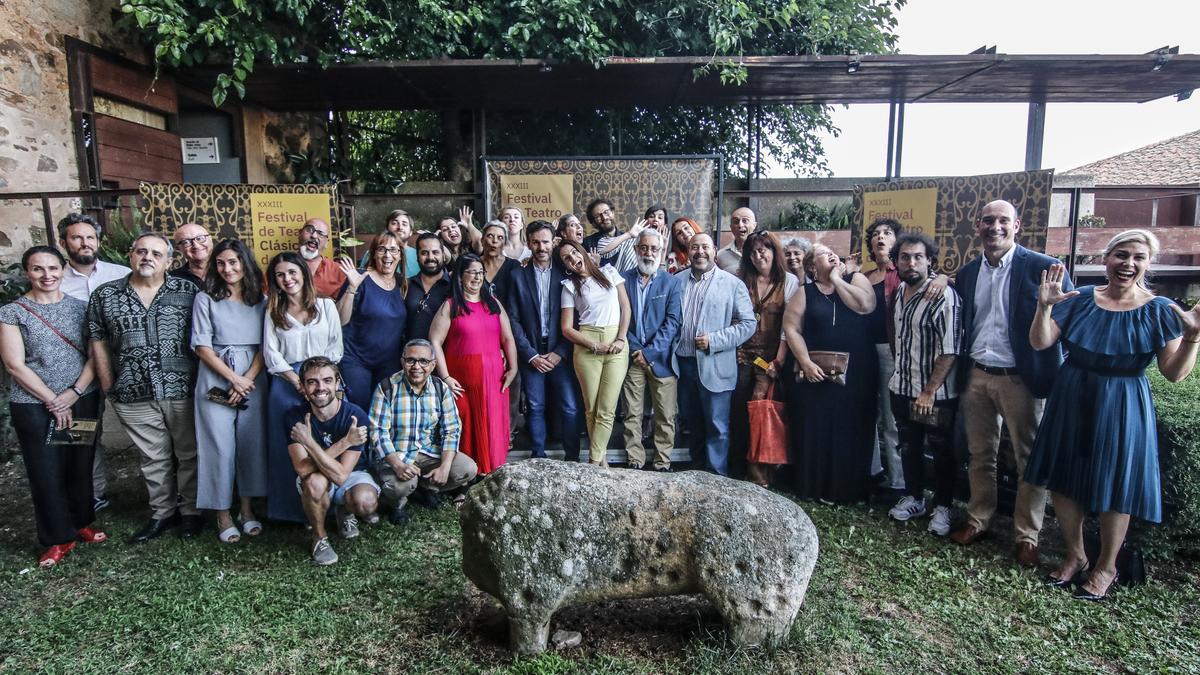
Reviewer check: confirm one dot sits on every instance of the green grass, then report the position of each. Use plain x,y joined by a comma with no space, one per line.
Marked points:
885,598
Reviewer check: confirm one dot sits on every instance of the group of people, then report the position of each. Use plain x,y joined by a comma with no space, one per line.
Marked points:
325,386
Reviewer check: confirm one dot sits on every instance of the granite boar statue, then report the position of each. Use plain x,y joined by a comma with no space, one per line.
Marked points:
543,534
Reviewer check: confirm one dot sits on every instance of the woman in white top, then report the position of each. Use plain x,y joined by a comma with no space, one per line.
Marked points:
598,299
297,325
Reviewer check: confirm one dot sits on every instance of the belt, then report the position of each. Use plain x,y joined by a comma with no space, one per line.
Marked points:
994,370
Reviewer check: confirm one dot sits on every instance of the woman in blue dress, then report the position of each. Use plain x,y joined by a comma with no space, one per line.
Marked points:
373,316
1097,448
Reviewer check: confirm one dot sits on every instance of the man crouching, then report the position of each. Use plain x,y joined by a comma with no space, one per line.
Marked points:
330,470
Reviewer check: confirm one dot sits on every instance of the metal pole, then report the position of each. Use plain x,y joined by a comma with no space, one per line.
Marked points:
891,143
50,238
749,144
1035,133
899,138
758,141
1076,194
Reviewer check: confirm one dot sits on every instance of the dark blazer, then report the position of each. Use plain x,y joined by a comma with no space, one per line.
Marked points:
523,305
664,300
1037,368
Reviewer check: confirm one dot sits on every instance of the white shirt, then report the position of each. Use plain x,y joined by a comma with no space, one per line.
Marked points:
595,305
320,337
542,278
729,258
989,336
80,287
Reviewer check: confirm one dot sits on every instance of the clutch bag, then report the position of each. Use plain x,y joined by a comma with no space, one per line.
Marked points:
834,365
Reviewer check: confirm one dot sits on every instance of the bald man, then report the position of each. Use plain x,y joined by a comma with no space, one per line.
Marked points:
741,223
1005,378
327,275
196,245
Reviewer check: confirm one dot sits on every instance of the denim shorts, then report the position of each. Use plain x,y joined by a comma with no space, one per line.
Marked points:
337,493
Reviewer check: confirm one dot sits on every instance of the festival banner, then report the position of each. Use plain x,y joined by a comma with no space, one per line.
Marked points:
916,210
276,219
540,197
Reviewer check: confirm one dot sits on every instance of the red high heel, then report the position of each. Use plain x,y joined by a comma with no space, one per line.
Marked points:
91,536
55,554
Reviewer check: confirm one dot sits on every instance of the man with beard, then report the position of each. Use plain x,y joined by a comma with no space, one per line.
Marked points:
195,243
716,318
923,387
741,223
427,289
613,246
654,307
139,328
535,303
79,236
328,440
327,275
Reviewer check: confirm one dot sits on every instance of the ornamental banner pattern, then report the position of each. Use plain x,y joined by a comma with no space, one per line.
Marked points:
223,209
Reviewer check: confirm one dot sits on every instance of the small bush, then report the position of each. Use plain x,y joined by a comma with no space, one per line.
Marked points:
1178,407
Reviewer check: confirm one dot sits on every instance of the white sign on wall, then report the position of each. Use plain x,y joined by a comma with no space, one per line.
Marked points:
200,150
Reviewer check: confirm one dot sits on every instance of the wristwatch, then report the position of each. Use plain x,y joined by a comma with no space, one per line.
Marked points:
77,390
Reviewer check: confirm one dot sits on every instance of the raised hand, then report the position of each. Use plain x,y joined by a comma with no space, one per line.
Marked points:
1190,320
356,435
1050,291
852,263
466,215
351,272
637,228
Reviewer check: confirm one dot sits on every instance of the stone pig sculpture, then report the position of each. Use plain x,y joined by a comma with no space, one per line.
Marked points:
543,534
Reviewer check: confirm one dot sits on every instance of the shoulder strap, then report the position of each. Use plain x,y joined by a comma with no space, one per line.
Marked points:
56,331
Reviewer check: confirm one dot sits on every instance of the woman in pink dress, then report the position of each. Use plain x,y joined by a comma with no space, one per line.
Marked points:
477,358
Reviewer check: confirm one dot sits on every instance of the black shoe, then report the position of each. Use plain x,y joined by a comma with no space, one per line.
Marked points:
662,469
100,503
192,526
427,498
539,455
398,516
154,529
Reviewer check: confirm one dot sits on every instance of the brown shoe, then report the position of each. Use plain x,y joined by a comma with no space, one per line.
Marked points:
1026,554
967,535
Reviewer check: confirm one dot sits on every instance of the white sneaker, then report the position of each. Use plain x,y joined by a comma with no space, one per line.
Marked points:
907,508
939,524
347,524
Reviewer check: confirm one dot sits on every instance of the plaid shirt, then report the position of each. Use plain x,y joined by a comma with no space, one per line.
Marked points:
411,422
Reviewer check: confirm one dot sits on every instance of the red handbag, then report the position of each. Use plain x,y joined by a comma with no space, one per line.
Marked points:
768,433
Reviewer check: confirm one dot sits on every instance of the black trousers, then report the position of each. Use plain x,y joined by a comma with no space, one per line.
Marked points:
60,476
913,439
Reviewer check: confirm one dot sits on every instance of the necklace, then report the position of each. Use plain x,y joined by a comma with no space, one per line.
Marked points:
829,300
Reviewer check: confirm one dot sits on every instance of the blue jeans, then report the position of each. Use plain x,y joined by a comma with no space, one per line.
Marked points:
561,383
707,418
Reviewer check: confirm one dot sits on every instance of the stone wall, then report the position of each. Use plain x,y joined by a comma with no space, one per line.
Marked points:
37,147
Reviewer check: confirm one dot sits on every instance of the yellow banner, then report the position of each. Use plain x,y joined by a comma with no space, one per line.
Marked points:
276,220
916,210
540,197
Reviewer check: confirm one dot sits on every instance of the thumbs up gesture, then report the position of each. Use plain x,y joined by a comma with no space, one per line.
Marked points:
356,435
302,430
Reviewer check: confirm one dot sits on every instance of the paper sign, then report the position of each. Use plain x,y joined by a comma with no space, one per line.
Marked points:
916,210
200,150
540,197
276,221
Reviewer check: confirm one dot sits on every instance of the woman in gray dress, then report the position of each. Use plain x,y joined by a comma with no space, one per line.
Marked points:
227,325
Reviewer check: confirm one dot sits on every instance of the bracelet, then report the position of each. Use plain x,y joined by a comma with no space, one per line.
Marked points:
77,390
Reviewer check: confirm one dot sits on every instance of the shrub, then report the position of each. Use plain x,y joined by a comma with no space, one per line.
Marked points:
808,216
1178,407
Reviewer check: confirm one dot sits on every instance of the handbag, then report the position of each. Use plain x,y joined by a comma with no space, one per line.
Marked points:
768,433
833,364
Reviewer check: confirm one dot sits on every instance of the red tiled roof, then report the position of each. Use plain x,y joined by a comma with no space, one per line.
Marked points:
1175,161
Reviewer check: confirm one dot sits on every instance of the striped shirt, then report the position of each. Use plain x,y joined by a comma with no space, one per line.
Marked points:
694,291
925,330
411,422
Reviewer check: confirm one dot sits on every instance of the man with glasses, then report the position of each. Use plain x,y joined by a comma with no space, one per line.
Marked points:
139,328
655,299
327,275
427,289
195,243
415,424
613,246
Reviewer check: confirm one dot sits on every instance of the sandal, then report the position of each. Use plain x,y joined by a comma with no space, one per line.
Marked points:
55,554
91,536
252,528
1083,594
230,535
1055,582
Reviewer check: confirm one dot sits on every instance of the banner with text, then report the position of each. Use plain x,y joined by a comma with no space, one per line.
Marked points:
275,220
540,197
957,201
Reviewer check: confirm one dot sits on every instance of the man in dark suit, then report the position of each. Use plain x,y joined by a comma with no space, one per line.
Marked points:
534,306
1005,377
654,307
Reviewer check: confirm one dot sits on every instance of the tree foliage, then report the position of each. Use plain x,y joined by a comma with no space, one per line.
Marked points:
236,35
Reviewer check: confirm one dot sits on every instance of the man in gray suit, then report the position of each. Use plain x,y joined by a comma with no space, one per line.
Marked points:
717,318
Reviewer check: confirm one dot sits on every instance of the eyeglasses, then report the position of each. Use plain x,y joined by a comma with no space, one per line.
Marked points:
647,248
410,361
193,241
472,273
390,249
312,230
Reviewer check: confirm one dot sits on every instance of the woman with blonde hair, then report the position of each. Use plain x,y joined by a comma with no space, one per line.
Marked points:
1097,447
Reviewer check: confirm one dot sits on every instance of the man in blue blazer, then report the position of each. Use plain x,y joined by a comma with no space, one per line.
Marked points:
654,307
1004,376
534,306
717,317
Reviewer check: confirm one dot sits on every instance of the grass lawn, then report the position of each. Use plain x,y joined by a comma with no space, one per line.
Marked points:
885,598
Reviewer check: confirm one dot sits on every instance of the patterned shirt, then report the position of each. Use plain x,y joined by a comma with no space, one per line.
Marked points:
149,346
694,291
411,422
925,330
623,257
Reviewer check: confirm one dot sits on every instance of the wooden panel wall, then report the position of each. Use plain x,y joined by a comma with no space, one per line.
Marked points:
131,152
134,86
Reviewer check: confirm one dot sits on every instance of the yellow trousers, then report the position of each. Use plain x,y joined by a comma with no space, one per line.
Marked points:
600,379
